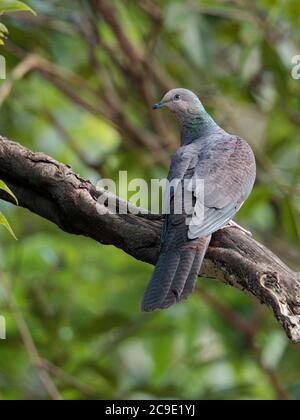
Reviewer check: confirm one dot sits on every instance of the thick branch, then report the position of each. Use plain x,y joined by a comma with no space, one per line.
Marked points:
53,191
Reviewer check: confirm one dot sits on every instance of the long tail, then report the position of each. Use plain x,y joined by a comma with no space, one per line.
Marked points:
175,275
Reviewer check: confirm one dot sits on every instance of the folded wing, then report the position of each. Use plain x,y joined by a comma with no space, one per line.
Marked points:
228,174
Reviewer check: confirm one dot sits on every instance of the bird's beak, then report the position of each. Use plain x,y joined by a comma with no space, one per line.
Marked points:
158,105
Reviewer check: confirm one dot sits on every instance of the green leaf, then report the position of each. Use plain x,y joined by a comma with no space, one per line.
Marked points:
4,222
3,28
14,6
5,188
3,32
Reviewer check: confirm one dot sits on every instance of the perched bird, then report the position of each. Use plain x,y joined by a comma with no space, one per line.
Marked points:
226,164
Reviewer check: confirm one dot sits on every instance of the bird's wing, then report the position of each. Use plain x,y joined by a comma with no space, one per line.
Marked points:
182,163
227,169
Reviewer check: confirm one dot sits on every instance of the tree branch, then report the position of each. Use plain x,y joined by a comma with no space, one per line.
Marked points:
53,191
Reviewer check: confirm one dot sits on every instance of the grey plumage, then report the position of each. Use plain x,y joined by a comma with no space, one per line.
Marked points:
226,164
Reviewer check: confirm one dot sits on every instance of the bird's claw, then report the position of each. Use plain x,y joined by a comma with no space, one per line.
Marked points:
232,224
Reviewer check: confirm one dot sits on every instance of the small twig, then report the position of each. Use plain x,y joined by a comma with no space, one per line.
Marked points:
69,379
69,84
130,50
31,347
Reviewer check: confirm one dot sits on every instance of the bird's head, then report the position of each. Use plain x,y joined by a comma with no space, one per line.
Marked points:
181,102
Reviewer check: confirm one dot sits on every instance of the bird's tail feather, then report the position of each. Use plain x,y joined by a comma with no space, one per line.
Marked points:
193,275
175,275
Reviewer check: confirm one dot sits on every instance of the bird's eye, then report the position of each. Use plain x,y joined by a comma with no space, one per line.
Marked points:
176,97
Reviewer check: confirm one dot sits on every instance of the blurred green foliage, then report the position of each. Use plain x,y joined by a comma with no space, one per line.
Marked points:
10,6
88,105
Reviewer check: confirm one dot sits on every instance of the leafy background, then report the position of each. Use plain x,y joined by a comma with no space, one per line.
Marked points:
80,83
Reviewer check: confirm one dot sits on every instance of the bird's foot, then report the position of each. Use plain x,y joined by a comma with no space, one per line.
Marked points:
236,226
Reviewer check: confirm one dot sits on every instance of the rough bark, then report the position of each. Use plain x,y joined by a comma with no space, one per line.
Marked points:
53,191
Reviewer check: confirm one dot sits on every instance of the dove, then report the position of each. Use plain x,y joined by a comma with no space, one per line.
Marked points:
224,164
